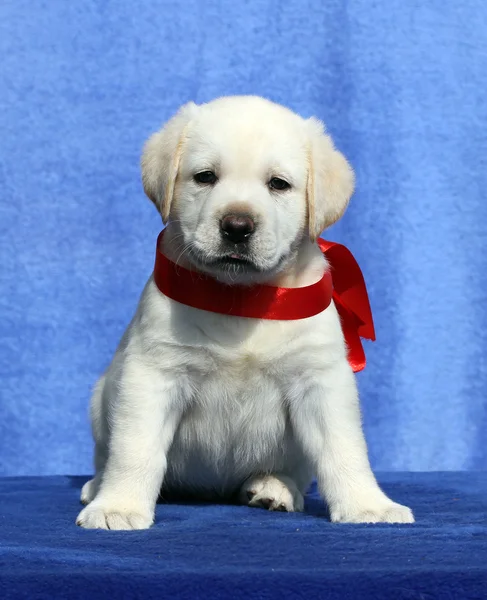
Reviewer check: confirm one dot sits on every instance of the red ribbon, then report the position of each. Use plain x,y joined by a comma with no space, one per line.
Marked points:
343,282
351,300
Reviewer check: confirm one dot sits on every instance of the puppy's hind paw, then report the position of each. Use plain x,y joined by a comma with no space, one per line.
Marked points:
272,492
88,491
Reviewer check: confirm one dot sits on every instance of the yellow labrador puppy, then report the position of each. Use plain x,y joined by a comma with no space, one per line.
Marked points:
220,407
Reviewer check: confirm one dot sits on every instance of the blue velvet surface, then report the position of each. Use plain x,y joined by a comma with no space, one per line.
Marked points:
207,551
401,86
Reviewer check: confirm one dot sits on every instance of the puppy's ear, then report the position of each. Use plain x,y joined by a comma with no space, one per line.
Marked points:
330,181
161,157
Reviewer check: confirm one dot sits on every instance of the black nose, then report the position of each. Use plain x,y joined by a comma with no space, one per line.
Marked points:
237,228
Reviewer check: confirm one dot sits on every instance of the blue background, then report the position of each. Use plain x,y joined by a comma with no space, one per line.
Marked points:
401,86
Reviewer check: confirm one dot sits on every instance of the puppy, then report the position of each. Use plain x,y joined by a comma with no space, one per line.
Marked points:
213,406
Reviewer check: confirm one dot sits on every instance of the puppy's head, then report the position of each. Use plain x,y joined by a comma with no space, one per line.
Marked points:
244,182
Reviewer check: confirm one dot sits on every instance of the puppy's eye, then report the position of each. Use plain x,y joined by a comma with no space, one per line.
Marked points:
206,177
276,183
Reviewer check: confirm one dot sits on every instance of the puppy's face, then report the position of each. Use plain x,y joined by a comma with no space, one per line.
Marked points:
241,192
238,178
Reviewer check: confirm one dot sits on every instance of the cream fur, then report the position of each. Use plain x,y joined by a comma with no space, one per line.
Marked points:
224,407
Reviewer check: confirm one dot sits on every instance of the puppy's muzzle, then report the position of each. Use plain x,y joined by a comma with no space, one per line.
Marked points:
237,228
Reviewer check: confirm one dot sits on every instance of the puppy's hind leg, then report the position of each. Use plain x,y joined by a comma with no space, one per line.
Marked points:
90,488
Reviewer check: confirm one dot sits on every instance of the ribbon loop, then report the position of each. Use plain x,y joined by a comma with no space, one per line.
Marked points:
351,300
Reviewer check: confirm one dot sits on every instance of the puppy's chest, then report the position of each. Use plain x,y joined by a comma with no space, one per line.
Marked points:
243,384
239,406
240,391
233,365
244,373
267,362
244,367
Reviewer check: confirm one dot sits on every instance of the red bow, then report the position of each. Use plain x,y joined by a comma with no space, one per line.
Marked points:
343,282
351,300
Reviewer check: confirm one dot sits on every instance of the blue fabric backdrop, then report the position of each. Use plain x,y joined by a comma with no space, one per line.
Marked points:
401,86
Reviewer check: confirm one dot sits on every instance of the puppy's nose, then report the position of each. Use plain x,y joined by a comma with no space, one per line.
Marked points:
237,228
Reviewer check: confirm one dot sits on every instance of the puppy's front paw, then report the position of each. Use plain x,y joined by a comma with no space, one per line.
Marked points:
100,515
382,511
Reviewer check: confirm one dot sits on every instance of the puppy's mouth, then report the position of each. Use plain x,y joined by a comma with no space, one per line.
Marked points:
235,266
234,261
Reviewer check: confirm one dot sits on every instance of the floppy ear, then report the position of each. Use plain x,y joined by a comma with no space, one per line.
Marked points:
161,157
330,181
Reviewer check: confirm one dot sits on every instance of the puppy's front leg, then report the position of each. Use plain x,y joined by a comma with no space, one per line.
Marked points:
326,419
141,419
